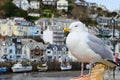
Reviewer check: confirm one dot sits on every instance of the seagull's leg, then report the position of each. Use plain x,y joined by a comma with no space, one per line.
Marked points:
82,68
90,68
81,75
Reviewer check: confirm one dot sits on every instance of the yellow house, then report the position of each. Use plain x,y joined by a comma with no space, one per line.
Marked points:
6,27
21,28
17,30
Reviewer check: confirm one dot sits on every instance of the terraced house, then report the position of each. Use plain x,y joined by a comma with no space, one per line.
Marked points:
33,50
9,27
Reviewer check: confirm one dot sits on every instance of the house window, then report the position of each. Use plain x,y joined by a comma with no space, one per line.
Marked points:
5,50
4,33
10,51
24,4
18,56
55,23
10,56
9,27
55,48
64,53
25,52
49,23
64,5
18,51
55,52
18,46
37,51
18,40
48,52
37,47
64,49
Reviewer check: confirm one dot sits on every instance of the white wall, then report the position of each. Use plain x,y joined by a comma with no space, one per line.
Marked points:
48,36
27,55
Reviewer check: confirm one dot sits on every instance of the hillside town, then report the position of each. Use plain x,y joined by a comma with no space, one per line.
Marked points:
36,31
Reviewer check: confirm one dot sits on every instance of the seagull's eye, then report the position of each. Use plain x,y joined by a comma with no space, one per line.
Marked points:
76,26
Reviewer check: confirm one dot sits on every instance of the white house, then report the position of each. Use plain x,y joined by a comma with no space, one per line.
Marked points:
49,2
34,4
23,4
58,22
11,52
3,50
77,1
48,36
80,3
56,52
34,14
93,5
62,5
54,36
102,20
7,49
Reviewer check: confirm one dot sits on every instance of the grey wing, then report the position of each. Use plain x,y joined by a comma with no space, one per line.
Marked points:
98,46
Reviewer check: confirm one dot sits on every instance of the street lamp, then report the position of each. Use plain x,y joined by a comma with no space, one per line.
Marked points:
113,25
114,40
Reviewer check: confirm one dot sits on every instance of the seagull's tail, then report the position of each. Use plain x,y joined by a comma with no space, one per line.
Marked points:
109,63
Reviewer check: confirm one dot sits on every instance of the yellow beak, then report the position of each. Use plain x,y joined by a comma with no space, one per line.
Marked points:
67,29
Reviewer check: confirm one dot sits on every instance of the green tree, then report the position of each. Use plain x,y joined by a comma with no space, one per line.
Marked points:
114,13
81,13
31,19
93,23
21,13
99,11
11,10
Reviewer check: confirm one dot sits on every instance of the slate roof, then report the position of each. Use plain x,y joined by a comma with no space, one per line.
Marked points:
26,41
33,45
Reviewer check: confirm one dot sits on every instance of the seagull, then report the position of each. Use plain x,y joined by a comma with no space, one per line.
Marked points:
85,46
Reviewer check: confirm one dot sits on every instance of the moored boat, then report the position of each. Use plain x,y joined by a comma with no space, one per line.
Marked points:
18,67
65,66
3,69
42,67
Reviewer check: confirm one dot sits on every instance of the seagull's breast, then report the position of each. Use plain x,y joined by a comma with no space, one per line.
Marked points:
77,44
74,39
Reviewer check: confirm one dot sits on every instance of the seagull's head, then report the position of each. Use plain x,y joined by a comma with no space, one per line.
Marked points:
75,26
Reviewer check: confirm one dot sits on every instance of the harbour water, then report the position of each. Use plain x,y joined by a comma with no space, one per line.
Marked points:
59,75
